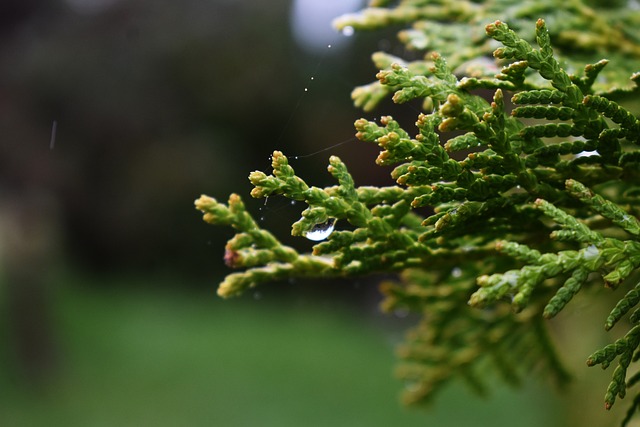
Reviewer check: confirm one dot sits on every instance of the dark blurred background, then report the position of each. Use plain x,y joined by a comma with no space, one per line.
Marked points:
114,116
156,102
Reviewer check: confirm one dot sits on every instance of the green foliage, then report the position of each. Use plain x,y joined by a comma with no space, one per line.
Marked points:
520,218
582,32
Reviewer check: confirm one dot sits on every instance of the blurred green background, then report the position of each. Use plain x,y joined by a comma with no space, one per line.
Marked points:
115,115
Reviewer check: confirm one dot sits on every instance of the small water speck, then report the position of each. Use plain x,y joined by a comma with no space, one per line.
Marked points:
52,140
456,272
348,31
590,252
511,277
586,154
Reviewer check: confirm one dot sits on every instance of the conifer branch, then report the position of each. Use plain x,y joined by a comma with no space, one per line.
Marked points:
528,204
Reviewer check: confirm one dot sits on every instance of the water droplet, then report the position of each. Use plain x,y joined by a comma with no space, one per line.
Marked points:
348,31
328,46
312,77
321,231
456,272
590,252
511,277
293,202
586,154
306,89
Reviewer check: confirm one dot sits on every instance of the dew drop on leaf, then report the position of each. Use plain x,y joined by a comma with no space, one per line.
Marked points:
590,252
321,231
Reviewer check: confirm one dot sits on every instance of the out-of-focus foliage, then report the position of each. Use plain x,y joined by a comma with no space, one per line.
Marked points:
582,33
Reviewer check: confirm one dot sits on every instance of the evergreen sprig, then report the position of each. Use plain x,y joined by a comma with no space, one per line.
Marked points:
529,202
455,30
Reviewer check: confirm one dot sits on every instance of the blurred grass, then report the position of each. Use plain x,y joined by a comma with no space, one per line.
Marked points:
133,355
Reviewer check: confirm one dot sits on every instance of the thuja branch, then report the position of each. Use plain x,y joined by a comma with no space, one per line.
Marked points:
455,30
526,206
256,249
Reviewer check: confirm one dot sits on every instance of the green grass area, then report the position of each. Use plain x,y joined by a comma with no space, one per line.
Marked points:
134,356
